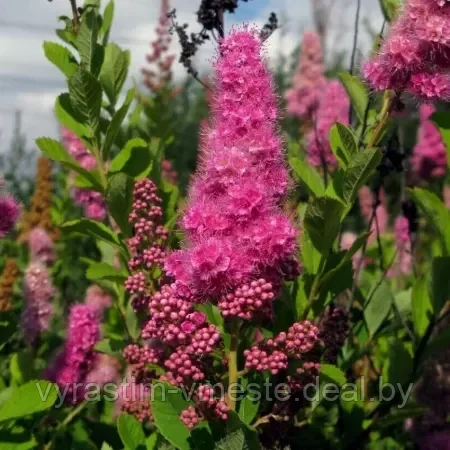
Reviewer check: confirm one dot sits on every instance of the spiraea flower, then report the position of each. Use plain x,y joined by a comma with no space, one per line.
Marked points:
414,55
41,246
333,107
92,202
429,159
235,229
9,210
309,81
77,358
38,293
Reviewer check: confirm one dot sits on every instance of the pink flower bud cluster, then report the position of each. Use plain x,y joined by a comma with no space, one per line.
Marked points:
147,243
309,81
333,107
274,354
404,258
235,228
9,211
168,172
73,364
38,310
429,159
207,406
139,357
157,78
92,202
333,333
414,55
304,375
98,299
41,247
106,369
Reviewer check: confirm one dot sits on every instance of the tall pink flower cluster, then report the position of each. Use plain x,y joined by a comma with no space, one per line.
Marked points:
92,202
77,358
38,294
161,73
333,107
9,210
414,56
41,246
404,259
308,82
429,159
235,229
147,244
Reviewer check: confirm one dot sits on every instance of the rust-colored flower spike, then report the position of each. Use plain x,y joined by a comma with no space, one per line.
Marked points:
40,213
7,280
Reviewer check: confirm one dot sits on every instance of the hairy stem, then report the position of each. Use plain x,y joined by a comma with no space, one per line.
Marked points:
232,364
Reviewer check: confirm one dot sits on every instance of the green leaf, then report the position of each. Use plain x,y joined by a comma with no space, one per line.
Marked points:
87,40
399,364
234,423
436,212
68,117
103,271
114,71
390,8
106,446
54,150
21,367
116,122
308,175
377,307
152,441
119,197
91,228
398,416
167,405
61,57
333,374
311,257
131,433
233,441
344,144
422,308
86,99
135,159
213,314
113,347
132,322
322,221
249,405
440,283
361,167
31,398
108,16
357,92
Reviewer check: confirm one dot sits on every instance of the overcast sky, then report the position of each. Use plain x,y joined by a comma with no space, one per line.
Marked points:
30,84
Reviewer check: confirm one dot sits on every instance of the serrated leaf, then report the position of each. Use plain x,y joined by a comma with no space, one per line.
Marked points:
332,373
106,446
310,255
152,441
61,57
357,92
31,398
114,71
91,228
322,220
56,152
116,122
119,197
422,309
87,39
399,364
233,441
308,175
358,172
86,98
135,159
69,118
249,405
390,8
131,432
108,17
344,144
436,212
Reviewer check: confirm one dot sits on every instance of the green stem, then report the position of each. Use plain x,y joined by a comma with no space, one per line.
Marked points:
388,103
76,18
314,293
232,364
100,166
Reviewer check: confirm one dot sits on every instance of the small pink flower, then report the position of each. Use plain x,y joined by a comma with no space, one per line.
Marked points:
9,213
